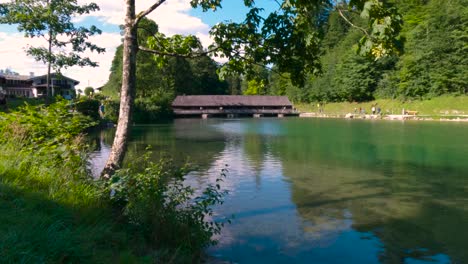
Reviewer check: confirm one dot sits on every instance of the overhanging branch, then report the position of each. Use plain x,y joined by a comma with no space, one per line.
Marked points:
142,14
353,25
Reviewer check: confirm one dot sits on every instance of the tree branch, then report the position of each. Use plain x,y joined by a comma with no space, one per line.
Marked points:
351,23
178,55
142,14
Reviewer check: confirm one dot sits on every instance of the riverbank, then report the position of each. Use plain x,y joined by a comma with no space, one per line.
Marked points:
443,108
53,211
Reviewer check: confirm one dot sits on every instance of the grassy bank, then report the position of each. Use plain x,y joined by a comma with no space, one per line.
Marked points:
52,211
437,107
48,217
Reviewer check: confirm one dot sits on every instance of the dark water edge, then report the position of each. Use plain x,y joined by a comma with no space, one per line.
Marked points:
325,191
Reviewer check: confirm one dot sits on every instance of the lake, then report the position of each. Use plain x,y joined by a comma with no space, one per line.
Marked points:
325,190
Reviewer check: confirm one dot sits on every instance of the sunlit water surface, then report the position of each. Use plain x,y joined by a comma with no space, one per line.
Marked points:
325,191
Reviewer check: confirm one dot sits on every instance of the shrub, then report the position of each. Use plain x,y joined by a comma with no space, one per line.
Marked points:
88,107
40,125
152,109
111,110
157,204
51,211
146,110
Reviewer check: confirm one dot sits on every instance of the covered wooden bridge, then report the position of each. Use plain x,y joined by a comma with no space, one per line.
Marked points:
232,106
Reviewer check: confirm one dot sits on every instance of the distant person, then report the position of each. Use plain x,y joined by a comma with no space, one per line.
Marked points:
102,109
379,110
3,101
355,110
373,109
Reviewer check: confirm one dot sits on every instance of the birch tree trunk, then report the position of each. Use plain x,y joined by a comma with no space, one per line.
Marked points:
48,93
127,93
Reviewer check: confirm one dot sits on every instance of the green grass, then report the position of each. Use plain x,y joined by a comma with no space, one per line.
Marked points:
437,107
46,216
50,213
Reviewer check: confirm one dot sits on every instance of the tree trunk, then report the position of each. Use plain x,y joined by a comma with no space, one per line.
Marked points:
48,92
127,93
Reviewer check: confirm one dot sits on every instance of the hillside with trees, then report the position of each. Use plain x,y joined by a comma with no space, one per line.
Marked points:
177,76
432,59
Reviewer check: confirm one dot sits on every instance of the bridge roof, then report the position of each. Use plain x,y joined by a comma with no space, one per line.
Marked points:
230,100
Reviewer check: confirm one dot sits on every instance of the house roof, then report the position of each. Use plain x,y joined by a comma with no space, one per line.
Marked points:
17,77
230,100
31,78
54,75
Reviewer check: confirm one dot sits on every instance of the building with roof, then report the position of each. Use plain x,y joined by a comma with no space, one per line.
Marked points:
232,105
31,86
2,83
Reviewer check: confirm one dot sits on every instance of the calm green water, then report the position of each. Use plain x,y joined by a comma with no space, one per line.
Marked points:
327,191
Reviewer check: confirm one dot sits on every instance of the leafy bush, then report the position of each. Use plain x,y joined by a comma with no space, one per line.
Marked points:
55,125
111,112
51,136
153,109
51,210
158,205
156,108
88,107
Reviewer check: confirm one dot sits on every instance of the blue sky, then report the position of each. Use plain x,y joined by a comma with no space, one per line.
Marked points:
231,10
174,17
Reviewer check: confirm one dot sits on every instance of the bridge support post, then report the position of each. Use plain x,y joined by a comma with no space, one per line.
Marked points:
257,115
280,115
205,116
231,115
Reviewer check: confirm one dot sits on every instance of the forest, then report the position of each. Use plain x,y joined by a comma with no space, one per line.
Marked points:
431,60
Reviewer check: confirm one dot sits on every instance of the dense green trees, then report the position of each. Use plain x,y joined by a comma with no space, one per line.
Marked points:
178,75
432,61
433,58
436,57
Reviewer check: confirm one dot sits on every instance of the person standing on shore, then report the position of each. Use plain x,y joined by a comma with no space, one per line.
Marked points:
101,110
3,101
373,109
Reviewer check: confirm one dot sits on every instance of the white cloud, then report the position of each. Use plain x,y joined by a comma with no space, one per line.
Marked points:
97,76
172,17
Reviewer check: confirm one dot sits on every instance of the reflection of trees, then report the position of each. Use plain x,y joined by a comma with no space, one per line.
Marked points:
256,138
404,183
408,192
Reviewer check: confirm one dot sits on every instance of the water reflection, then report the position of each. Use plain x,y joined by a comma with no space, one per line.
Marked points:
327,191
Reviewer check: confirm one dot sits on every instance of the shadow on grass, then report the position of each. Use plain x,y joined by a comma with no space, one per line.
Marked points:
36,230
